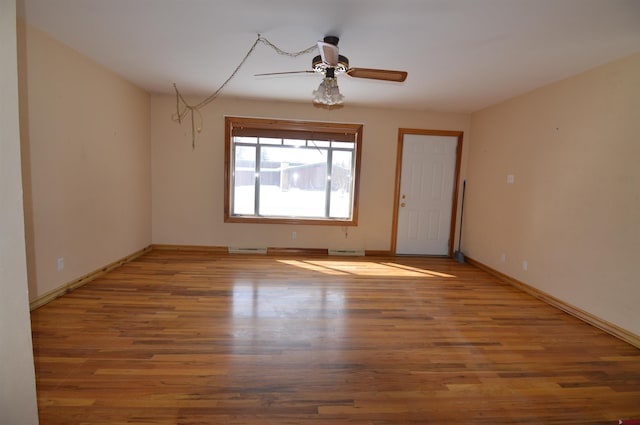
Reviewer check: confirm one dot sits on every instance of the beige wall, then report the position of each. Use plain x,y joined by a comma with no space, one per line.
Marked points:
187,188
17,377
86,161
574,210
106,172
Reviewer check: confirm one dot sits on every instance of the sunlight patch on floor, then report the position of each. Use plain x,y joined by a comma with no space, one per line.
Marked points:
363,268
313,267
422,271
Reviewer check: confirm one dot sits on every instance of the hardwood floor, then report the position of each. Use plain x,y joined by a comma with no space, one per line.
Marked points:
204,338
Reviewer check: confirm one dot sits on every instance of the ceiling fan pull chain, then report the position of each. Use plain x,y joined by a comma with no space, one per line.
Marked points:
282,52
189,109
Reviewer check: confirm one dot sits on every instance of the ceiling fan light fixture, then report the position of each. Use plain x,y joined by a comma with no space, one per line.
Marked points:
328,93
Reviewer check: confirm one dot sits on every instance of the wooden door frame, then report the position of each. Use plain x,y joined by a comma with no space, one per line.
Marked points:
396,198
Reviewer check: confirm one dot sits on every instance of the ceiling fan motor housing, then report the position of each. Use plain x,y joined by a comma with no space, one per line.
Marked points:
319,66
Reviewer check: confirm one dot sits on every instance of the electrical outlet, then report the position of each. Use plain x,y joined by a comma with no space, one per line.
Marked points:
294,236
60,264
525,265
511,179
503,257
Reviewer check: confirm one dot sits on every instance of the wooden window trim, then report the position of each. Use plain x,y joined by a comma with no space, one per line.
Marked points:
240,126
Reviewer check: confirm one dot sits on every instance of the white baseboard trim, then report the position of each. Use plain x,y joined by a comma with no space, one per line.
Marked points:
347,252
247,250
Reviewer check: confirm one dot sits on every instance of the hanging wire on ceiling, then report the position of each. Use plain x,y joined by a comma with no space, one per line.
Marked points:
184,109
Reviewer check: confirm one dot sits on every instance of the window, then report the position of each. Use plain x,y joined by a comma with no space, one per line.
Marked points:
279,171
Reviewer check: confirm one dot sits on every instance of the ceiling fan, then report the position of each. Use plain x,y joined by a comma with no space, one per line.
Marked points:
331,63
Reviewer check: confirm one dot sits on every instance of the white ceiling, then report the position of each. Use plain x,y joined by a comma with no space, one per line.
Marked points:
461,55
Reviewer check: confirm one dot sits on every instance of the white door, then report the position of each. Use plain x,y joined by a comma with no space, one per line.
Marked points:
426,194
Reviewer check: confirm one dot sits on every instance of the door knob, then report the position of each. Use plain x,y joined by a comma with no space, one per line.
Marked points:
403,205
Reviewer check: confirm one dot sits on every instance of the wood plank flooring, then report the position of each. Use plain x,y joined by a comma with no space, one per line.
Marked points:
203,338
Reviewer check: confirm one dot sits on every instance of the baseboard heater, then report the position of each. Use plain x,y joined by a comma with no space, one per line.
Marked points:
347,252
246,250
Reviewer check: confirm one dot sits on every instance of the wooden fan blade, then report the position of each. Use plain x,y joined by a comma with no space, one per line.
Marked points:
284,73
378,74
